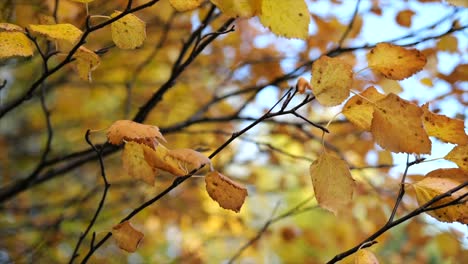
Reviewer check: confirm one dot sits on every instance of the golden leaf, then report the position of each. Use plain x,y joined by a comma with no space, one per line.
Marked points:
129,32
395,62
359,111
331,80
67,32
178,162
438,182
135,163
15,44
444,128
404,18
185,5
459,155
364,256
127,237
227,193
397,126
238,8
448,43
288,19
332,182
86,62
131,131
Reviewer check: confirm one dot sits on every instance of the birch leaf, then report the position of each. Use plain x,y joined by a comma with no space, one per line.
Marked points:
459,155
126,236
86,62
226,192
364,256
129,32
15,44
359,110
135,163
238,8
288,19
67,32
444,128
131,131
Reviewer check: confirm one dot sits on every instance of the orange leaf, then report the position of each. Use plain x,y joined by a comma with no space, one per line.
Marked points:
404,18
131,131
331,80
127,237
438,182
397,126
444,128
135,163
227,193
395,62
364,256
302,85
448,43
332,182
459,155
359,111
178,162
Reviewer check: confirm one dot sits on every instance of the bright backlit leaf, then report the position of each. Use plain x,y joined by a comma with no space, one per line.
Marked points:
395,62
397,126
185,5
129,32
359,110
135,164
444,128
126,236
238,8
332,182
288,19
405,17
15,44
226,192
459,155
364,256
86,62
67,32
131,131
331,80
438,182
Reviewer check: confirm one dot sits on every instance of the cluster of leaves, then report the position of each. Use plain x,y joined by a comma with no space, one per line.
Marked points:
196,91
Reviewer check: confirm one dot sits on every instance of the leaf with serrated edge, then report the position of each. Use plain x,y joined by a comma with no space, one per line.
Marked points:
185,5
444,128
15,44
67,32
131,131
288,19
395,62
135,163
126,236
438,182
331,80
86,62
129,32
459,155
359,110
332,182
397,126
227,193
364,256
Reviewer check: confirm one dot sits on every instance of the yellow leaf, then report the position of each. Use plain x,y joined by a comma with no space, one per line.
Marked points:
332,182
185,5
404,18
15,44
395,62
127,237
238,8
390,86
397,126
448,43
135,163
288,19
226,192
359,111
444,128
178,162
364,256
129,32
131,131
459,155
67,32
438,182
331,80
86,62
427,82
10,27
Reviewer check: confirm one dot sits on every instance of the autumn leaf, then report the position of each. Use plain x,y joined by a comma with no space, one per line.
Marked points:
438,182
67,32
331,80
178,162
129,32
332,182
395,62
359,110
86,62
227,193
131,131
15,44
185,5
404,17
126,236
444,128
135,163
302,85
238,8
397,126
288,19
10,28
364,256
448,43
459,155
